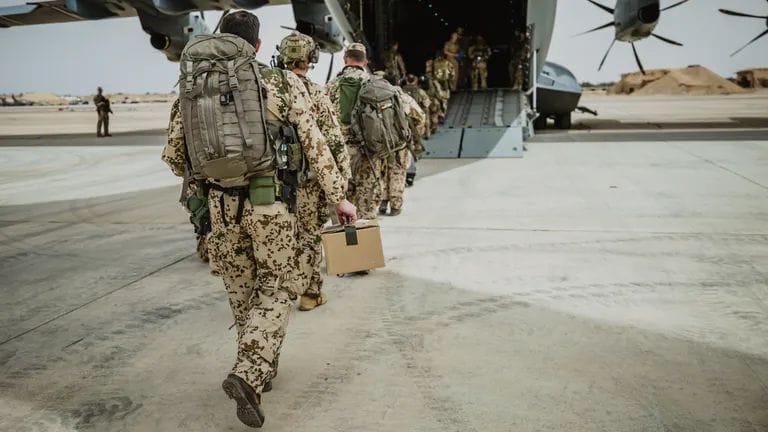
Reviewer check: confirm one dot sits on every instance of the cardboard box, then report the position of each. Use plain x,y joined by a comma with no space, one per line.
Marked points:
351,249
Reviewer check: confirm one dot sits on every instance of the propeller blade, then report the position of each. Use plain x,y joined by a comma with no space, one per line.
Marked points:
603,7
330,68
740,14
675,5
604,26
226,12
750,42
663,39
637,58
606,55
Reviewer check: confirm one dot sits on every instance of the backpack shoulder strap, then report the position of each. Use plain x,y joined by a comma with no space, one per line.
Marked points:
234,87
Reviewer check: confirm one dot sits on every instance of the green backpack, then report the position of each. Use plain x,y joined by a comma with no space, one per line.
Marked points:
378,119
349,89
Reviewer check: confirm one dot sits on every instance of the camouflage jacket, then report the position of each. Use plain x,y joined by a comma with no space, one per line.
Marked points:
328,122
479,53
393,63
332,90
414,113
421,97
288,100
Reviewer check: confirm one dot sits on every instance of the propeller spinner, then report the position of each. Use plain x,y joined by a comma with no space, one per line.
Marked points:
647,15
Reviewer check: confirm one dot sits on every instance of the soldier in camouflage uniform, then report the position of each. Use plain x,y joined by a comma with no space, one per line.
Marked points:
257,257
102,110
479,53
297,53
451,50
440,76
414,90
394,172
365,187
520,51
393,62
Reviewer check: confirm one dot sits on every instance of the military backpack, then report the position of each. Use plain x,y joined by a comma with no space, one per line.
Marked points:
228,131
379,120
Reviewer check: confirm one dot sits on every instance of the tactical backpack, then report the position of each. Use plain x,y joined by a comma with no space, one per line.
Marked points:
379,120
223,108
349,88
413,91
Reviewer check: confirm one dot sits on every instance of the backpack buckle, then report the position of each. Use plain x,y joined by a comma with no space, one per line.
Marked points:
226,99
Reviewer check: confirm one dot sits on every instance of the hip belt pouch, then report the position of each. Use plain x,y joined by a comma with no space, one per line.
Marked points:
262,190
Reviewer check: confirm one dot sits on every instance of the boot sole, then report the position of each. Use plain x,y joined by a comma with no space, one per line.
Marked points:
248,412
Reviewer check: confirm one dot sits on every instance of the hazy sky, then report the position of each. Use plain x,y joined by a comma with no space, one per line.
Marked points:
76,57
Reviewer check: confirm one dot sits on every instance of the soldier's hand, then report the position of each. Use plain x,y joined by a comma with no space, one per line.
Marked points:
346,212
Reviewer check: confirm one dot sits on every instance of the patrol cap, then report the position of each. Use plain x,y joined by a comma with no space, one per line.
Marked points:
357,47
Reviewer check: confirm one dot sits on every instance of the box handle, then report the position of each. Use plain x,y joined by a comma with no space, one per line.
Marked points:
350,232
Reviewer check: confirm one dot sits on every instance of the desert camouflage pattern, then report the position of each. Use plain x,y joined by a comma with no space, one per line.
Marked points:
366,184
395,169
451,50
257,258
479,53
312,212
365,190
394,64
332,90
312,207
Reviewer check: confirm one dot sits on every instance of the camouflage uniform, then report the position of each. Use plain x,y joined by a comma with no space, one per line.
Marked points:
520,51
451,50
395,170
312,207
393,63
441,75
425,102
479,54
102,110
366,188
257,258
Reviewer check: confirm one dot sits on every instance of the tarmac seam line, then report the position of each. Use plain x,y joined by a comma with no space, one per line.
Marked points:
94,300
722,167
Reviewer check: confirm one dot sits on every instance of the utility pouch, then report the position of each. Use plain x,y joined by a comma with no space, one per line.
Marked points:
200,215
262,190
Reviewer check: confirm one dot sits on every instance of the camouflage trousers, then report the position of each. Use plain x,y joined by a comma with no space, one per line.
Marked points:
102,123
311,214
257,261
366,194
480,76
454,83
394,175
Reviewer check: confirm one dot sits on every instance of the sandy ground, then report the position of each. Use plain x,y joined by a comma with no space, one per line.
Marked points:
590,286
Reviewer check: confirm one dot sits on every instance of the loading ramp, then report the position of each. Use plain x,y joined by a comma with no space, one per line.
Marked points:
481,124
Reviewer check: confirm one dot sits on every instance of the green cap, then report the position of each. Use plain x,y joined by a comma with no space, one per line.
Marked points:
357,47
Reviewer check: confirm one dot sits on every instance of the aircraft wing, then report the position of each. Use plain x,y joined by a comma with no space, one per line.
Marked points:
56,11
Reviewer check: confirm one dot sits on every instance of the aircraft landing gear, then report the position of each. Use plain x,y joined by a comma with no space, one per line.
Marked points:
563,121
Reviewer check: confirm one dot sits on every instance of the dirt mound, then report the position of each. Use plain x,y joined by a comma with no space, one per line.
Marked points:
693,80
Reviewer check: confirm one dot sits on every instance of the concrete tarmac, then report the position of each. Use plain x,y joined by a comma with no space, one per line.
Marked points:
590,286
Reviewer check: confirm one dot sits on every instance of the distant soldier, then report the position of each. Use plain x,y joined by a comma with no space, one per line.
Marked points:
395,170
393,61
103,110
297,53
519,51
435,113
442,76
479,53
414,90
451,51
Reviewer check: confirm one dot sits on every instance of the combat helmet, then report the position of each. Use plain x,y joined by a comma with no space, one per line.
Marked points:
298,47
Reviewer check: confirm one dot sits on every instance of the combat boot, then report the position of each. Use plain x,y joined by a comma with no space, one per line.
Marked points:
309,302
395,212
383,207
248,401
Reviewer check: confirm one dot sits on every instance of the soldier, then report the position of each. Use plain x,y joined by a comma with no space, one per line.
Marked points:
479,53
435,113
297,53
451,51
414,90
365,187
393,62
103,110
519,51
394,172
442,75
252,230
